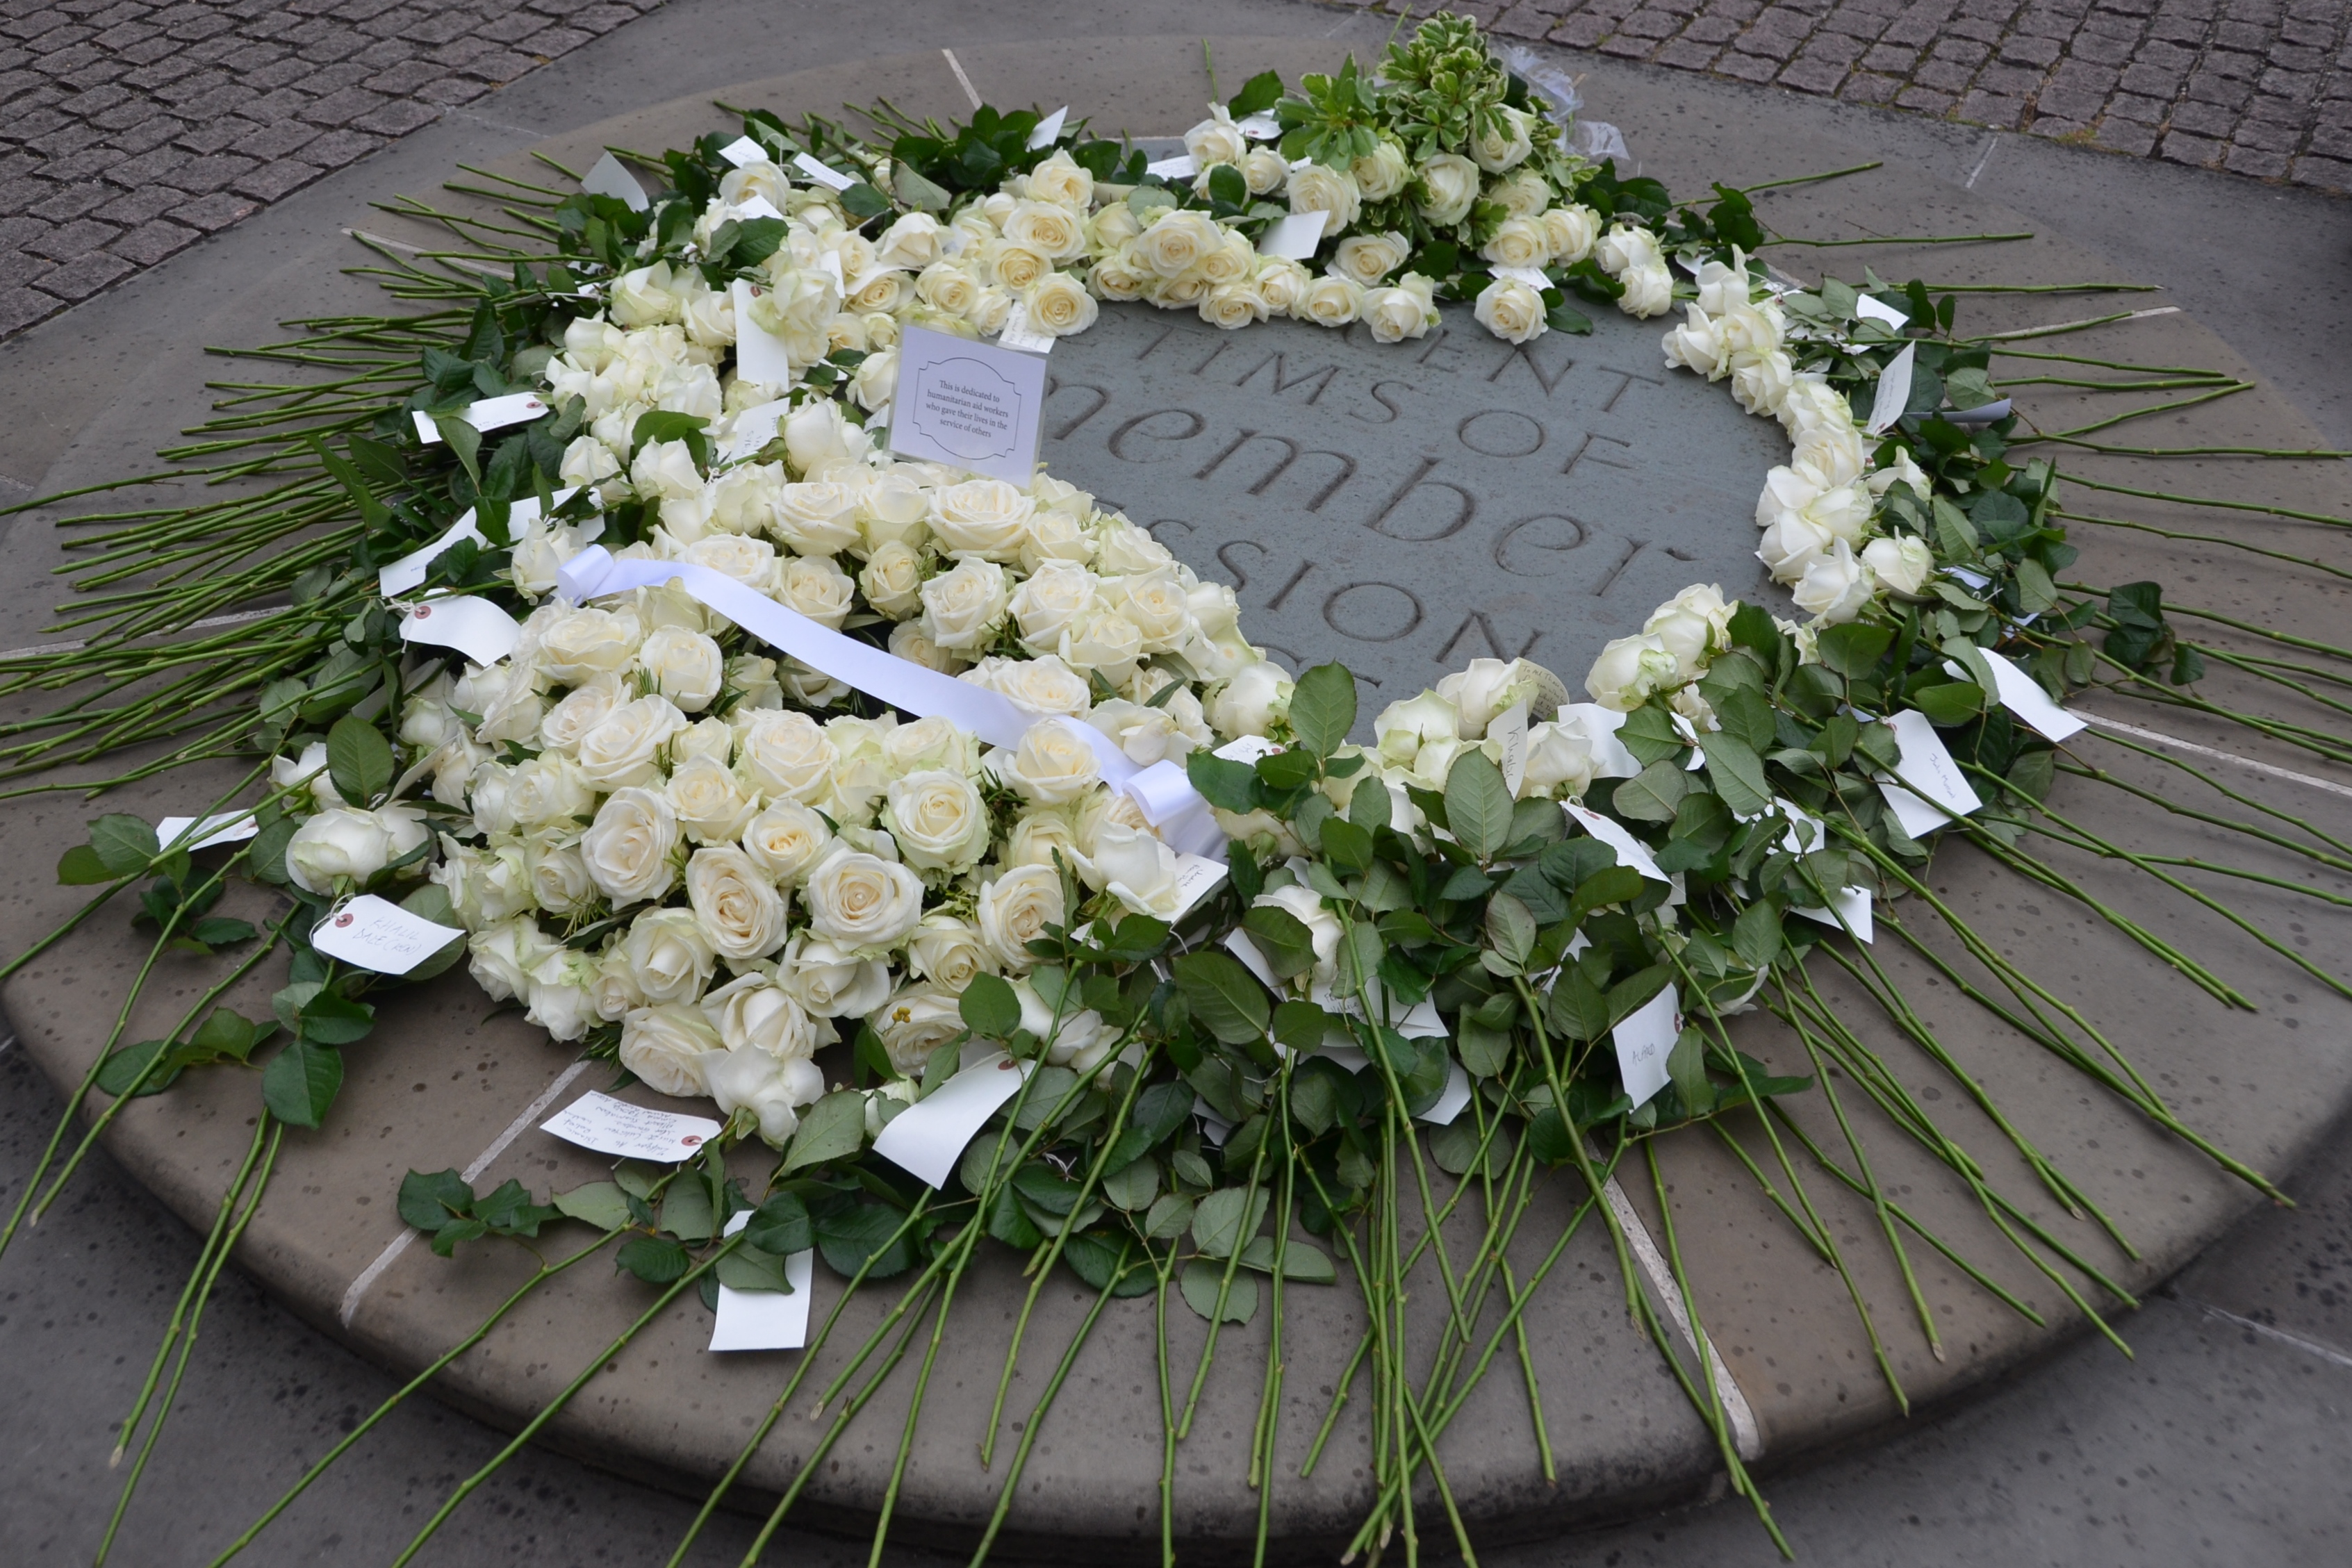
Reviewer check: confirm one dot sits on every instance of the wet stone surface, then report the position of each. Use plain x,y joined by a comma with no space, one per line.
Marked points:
1404,508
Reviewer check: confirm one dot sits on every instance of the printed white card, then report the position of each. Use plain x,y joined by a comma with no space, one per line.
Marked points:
742,151
1018,334
1932,789
485,414
766,1320
832,178
759,355
1644,1041
226,828
613,1126
1629,848
1849,910
378,935
408,573
475,627
973,405
1509,729
927,1138
1450,1103
607,178
2022,696
1180,167
1049,130
1293,238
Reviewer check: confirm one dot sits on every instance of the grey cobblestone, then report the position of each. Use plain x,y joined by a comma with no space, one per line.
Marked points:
2255,87
129,128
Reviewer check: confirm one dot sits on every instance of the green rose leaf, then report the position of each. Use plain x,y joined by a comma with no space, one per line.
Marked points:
1737,775
1227,1218
1225,997
300,1083
1654,794
990,1008
1301,1260
1201,1282
359,760
831,1129
1323,709
652,1258
1478,804
600,1203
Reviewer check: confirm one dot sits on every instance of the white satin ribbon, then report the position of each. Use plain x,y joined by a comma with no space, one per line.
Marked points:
1162,791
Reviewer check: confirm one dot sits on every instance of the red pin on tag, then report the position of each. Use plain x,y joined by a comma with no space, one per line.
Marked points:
424,612
691,1139
342,919
1007,1065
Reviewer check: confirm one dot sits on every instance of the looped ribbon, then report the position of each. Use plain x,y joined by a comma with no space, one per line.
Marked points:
1162,791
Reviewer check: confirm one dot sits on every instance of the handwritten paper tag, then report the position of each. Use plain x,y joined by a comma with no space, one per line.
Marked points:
1049,130
1180,167
1893,393
766,1320
832,179
408,573
1248,749
1197,876
607,178
927,1138
1610,757
759,355
973,405
1870,309
613,1126
1295,237
1018,334
1849,910
475,627
1644,1041
742,151
1260,127
756,426
228,828
488,414
1628,848
2022,696
1932,789
1509,728
378,935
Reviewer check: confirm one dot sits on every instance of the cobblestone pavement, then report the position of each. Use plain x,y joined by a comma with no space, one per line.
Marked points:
2257,86
129,128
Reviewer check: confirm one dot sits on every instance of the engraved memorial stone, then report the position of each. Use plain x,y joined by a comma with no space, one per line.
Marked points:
1404,508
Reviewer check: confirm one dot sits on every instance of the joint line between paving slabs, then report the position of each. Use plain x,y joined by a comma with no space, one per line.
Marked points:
399,1244
2160,738
962,81
1745,1435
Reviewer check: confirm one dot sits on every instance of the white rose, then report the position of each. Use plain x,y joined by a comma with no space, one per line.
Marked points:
631,848
665,1047
1628,671
1511,310
560,882
916,1021
548,789
752,1085
938,819
1836,588
710,737
643,298
1263,170
1573,231
1791,544
1044,685
1079,1038
1058,178
755,1013
963,606
1407,309
1053,765
1316,189
1012,266
862,901
588,705
1232,306
751,562
876,381
893,579
1330,302
1176,241
1121,275
1902,565
1252,702
816,518
502,958
1632,256
1103,641
1448,185
1123,550
949,952
987,519
1040,835
929,744
685,666
1060,306
1216,140
907,643
665,470
1305,905
912,243
1046,602
585,644
624,748
1692,625
1368,257
817,587
1016,909
1524,194
831,980
1490,686
1518,242
560,998
740,911
1135,868
1382,173
785,754
668,955
344,843
1049,228
1558,760
817,438
484,886
1902,471
948,288
1762,385
587,462
785,840
1505,142
1411,725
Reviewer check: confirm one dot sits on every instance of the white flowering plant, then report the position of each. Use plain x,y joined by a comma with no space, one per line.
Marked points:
805,780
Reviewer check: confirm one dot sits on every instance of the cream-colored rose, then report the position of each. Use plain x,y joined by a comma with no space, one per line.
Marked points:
1057,178
588,705
1253,701
1558,761
740,911
1135,868
1573,232
1216,140
711,737
1836,588
1122,549
816,518
893,579
1281,283
1043,686
817,587
560,999
1012,266
666,470
947,952
929,744
751,562
1504,141
1693,625
963,607
784,755
643,298
1316,189
1407,309
1444,188
1631,256
753,1012
630,848
916,1021
877,293
1060,306
342,844
1331,302
983,519
1903,565
1016,909
484,886
1121,275
683,666
830,980
665,1047
1157,604
1232,261
1175,241
785,840
912,243
1511,310
1048,228
1384,171
1077,1039
669,956
502,958
1053,764
1523,193
1628,671
862,901
938,819
585,644
947,287
1232,306
1263,170
1489,687
1102,641
1055,593
876,381
1041,834
1368,258
560,882
1518,242
548,789
711,806
817,439
750,1086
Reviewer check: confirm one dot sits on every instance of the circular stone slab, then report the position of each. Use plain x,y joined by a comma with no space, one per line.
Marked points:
439,1084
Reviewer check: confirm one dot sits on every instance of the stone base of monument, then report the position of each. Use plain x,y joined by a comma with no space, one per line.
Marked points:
1401,510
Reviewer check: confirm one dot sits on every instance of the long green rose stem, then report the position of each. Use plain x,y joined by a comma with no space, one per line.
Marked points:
2248,627
208,1268
1166,1269
1813,178
2338,861
2045,289
2173,383
554,1406
2267,671
2174,406
2132,682
1898,239
1224,1292
546,1271
2215,502
1269,1408
2289,666
2175,535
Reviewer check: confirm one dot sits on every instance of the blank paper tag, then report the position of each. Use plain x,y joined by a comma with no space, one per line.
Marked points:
1177,168
1850,910
1450,1103
489,413
408,573
1893,393
758,207
759,355
832,179
1870,309
1936,791
228,828
742,151
1049,130
607,178
1252,957
1644,1041
927,1138
1019,334
612,1126
973,405
1806,831
475,627
765,1320
378,935
2022,696
1510,728
1530,275
1260,127
1610,757
1629,848
1295,237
